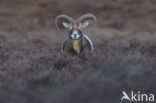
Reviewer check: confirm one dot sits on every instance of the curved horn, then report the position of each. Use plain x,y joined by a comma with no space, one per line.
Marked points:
86,17
62,18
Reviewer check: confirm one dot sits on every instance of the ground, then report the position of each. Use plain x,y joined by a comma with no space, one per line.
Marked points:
32,69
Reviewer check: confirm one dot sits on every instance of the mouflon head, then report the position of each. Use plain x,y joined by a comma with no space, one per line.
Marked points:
74,26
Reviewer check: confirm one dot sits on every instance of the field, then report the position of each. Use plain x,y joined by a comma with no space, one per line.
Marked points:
32,69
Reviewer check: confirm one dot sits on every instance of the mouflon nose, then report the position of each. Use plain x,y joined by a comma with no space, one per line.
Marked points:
75,35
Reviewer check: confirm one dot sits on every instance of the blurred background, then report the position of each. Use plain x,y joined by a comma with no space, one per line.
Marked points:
32,70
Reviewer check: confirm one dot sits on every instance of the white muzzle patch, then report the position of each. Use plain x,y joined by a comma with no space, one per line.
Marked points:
75,34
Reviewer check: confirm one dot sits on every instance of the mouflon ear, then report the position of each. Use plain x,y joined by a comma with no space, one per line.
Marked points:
66,25
83,25
62,18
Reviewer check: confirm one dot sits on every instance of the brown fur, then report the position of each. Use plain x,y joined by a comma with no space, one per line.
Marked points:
75,25
75,46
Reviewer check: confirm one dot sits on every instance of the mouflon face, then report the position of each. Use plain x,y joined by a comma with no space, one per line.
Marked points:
75,29
75,34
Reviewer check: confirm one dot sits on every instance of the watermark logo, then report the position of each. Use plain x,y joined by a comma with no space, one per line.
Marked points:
137,96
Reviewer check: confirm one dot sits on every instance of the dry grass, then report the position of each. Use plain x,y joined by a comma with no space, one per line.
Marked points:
32,70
